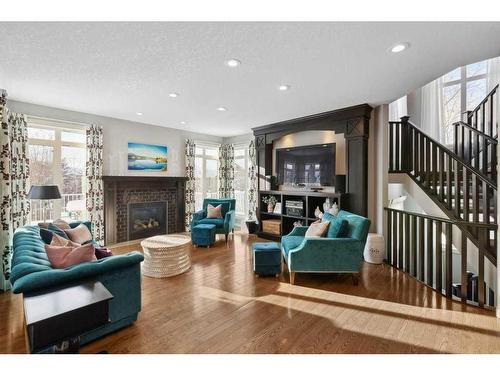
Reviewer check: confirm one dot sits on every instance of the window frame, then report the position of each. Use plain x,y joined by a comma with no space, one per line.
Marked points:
241,215
57,145
206,146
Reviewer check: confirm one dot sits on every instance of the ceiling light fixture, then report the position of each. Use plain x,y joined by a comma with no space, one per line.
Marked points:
233,63
400,47
222,109
173,95
139,113
183,122
284,87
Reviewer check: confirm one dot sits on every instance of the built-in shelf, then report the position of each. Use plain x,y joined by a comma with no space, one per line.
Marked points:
310,200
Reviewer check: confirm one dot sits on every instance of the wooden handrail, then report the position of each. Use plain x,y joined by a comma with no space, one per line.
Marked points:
445,220
485,100
478,132
452,155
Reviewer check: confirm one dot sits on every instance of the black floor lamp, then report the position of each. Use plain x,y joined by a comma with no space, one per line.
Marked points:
44,193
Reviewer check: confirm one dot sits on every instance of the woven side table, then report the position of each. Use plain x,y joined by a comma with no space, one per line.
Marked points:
166,255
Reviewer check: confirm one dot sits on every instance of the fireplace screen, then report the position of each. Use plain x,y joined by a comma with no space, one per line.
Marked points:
147,219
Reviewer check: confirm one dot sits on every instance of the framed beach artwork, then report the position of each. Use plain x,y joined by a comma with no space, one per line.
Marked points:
144,157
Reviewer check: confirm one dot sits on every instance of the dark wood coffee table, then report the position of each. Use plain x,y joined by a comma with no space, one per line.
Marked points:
56,319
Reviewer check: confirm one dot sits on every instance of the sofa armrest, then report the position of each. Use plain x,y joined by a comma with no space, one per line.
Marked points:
327,255
298,231
197,216
229,220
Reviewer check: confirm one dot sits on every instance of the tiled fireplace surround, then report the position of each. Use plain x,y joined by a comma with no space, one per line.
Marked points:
119,191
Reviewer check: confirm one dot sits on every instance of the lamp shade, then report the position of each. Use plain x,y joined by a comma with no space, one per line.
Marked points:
44,192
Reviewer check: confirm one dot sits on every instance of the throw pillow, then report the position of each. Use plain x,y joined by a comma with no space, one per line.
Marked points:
43,225
317,229
60,241
46,235
102,252
60,223
55,229
338,228
67,256
214,212
80,234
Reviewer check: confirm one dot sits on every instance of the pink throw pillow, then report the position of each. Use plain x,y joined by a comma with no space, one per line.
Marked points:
317,229
80,234
61,224
57,240
214,212
67,256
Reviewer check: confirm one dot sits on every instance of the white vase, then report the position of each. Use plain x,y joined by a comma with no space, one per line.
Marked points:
317,212
327,205
334,210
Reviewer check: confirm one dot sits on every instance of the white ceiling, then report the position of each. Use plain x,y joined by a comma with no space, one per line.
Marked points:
118,69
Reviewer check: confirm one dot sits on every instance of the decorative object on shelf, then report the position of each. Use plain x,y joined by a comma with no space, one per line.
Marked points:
272,226
374,249
318,213
316,189
270,200
334,210
277,208
44,193
297,223
144,157
327,205
294,208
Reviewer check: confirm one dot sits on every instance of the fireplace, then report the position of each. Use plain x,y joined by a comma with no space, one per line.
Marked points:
147,219
152,196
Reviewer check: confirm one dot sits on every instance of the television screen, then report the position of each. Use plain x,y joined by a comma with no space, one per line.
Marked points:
306,165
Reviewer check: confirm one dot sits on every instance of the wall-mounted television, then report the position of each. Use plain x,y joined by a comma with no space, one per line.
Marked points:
306,165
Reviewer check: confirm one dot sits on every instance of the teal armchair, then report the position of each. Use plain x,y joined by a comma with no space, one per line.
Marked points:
324,254
225,225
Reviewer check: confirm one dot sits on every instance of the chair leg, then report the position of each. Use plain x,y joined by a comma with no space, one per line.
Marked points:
355,279
227,235
292,278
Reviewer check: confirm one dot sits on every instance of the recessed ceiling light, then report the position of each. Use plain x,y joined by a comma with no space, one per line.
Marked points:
400,47
139,113
222,109
183,122
233,63
173,95
284,87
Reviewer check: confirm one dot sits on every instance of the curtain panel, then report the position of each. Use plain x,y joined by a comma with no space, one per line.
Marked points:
252,181
226,171
14,170
190,182
95,191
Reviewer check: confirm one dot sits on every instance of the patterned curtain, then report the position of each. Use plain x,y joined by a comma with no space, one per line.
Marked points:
95,191
252,181
14,171
190,182
226,171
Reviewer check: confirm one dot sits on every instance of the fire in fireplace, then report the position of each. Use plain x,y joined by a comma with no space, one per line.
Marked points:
147,219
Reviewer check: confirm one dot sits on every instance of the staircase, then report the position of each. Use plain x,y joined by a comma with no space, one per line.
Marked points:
463,183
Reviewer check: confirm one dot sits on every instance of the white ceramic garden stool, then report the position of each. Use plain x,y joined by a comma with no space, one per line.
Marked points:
374,249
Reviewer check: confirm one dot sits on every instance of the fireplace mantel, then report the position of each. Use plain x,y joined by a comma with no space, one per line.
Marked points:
121,190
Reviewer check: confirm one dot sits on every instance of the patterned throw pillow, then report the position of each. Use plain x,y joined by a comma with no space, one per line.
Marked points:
60,223
60,241
214,212
317,229
55,229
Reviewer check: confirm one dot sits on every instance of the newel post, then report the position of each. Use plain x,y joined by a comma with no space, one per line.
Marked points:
406,144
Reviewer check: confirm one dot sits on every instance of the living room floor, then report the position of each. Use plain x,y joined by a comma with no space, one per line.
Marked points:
219,306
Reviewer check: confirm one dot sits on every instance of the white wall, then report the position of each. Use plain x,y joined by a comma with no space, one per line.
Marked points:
117,133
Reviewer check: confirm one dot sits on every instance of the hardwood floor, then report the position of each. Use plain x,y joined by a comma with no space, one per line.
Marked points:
219,306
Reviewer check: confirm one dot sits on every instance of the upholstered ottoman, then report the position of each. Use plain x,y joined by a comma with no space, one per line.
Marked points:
203,235
266,258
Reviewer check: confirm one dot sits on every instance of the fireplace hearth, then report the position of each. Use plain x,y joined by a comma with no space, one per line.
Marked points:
147,219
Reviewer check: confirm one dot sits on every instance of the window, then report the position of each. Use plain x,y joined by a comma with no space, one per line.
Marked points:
57,157
241,182
463,90
206,173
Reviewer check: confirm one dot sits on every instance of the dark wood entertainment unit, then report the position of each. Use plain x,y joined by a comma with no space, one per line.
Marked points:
352,122
310,200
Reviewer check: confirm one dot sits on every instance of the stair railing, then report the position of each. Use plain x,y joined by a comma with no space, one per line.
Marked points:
484,116
421,245
461,191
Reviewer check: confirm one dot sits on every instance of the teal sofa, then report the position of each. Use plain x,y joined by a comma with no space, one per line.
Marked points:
120,274
224,225
326,254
